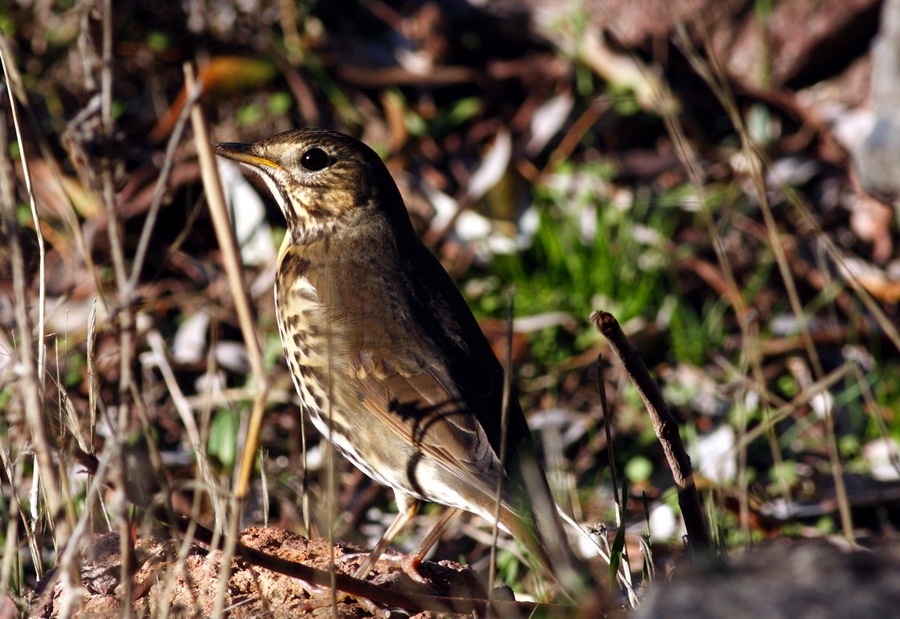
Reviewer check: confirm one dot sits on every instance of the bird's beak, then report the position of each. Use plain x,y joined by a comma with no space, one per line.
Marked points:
242,154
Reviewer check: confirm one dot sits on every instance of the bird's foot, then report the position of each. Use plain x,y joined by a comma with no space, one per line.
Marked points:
409,564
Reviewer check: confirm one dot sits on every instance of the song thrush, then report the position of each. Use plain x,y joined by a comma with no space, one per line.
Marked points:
385,354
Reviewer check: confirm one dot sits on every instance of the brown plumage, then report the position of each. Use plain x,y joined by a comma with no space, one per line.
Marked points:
387,358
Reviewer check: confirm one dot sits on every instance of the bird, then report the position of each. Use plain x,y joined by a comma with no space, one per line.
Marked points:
388,360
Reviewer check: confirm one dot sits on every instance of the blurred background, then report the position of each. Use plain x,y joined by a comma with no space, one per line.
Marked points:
721,177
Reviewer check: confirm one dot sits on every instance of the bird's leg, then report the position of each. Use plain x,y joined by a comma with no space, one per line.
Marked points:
408,507
411,562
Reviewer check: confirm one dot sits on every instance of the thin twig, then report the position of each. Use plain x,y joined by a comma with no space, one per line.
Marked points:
31,368
504,429
625,572
712,72
159,190
231,261
607,429
14,506
664,424
124,311
157,346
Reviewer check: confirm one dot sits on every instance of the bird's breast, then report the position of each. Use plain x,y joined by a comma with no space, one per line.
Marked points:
303,336
312,341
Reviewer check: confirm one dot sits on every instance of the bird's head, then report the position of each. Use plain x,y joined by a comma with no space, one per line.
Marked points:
322,180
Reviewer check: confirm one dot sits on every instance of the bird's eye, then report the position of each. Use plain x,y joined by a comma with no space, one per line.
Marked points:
315,159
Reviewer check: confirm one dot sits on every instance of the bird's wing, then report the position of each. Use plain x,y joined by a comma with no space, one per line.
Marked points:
422,365
433,376
416,398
